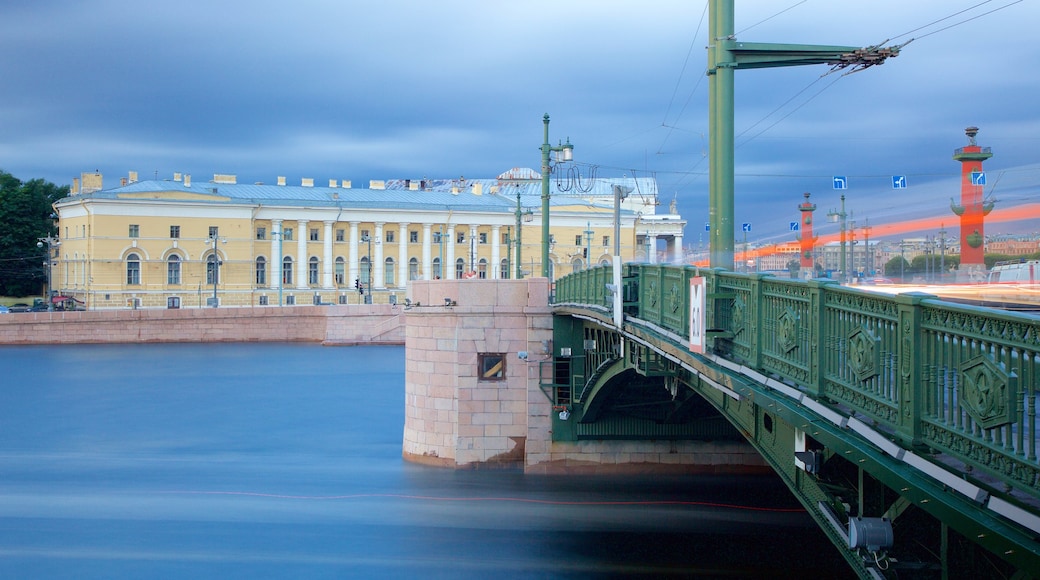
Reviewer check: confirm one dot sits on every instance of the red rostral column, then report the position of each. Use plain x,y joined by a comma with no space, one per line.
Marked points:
972,207
806,237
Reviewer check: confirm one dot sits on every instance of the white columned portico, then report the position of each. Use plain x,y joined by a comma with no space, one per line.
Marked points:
378,279
327,260
355,260
448,267
276,254
402,255
496,255
301,254
427,251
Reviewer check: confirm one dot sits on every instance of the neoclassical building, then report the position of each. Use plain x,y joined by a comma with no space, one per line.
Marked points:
179,243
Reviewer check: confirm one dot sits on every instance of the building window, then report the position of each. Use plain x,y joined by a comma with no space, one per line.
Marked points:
287,271
364,235
261,271
341,267
314,234
388,272
504,270
492,366
263,300
577,240
175,232
461,237
505,238
340,235
413,236
213,269
460,267
413,269
261,233
312,271
437,237
437,274
214,231
133,269
482,269
290,300
342,298
366,270
606,241
173,302
173,270
483,237
389,237
135,231
287,234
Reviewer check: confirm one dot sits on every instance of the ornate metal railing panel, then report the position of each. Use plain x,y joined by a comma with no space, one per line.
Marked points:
961,380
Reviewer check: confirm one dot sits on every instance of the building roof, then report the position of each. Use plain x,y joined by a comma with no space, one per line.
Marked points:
488,195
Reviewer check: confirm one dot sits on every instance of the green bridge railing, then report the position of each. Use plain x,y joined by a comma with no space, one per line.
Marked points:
960,380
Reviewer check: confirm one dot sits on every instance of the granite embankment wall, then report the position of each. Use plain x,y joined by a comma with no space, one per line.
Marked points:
332,325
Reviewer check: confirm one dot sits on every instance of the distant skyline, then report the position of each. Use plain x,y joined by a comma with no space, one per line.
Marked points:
411,89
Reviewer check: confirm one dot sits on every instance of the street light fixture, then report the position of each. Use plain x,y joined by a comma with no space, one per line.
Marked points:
368,272
215,261
565,154
51,242
527,217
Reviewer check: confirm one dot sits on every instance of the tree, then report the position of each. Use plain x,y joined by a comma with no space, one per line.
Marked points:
26,214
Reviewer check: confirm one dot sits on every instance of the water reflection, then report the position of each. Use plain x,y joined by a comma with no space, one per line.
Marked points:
260,460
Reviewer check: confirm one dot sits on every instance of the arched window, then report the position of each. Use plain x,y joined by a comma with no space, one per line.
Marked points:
287,271
212,269
388,272
503,271
133,269
413,269
366,271
577,265
173,270
437,274
261,271
482,269
312,271
341,271
460,267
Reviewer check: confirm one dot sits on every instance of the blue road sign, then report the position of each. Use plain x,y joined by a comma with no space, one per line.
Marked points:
840,182
898,182
978,178
746,226
707,226
793,226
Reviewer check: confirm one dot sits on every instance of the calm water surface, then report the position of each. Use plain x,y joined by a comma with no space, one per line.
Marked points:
284,461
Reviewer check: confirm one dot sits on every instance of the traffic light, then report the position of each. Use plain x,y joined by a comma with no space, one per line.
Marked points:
357,284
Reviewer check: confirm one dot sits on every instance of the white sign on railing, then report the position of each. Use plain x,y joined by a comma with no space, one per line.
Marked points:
698,310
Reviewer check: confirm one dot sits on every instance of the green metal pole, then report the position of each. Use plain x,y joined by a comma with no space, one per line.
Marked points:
546,148
519,237
721,67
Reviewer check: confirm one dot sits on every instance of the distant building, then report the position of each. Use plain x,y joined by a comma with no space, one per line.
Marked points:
174,243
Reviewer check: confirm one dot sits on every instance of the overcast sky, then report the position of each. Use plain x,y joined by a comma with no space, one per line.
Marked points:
411,89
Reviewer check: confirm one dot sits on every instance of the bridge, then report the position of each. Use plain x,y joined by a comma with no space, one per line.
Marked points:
905,424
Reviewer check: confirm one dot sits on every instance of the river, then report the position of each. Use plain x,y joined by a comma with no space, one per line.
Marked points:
284,461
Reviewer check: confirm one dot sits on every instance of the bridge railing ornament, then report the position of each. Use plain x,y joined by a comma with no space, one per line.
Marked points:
960,380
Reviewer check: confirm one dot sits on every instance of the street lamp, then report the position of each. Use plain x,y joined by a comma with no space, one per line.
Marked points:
51,242
215,262
368,272
527,216
840,216
566,153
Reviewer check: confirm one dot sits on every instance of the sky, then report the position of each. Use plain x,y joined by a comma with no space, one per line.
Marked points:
413,89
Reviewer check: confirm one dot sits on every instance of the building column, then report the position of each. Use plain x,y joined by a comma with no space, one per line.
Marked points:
402,255
448,267
301,255
427,251
678,256
496,256
276,254
378,281
651,248
354,258
327,261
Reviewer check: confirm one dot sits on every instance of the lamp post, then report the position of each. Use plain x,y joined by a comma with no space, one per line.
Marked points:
840,216
215,260
526,216
51,243
566,153
589,232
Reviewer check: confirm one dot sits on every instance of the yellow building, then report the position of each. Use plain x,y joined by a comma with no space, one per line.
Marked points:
177,243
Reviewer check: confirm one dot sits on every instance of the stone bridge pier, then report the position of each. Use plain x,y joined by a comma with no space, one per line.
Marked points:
474,350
